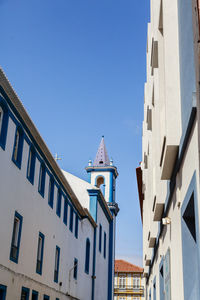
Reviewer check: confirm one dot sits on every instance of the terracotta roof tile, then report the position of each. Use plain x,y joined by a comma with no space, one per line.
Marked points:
124,266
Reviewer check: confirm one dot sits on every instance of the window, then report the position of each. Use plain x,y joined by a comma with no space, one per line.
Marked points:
71,219
31,165
57,260
34,295
3,124
100,237
122,282
3,289
189,217
136,282
104,249
76,226
65,212
41,185
16,236
24,293
51,192
40,253
46,297
18,147
87,256
75,268
58,207
100,183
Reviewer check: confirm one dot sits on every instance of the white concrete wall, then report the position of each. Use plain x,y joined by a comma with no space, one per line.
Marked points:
167,121
18,194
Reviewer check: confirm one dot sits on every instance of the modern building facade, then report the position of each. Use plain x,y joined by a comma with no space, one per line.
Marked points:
129,281
56,230
168,177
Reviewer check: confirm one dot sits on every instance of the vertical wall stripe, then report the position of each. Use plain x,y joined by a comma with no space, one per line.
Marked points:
111,188
110,262
94,264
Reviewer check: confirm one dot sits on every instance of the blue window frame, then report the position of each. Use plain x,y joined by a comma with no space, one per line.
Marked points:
18,147
25,293
40,252
58,207
3,290
75,268
76,226
16,237
71,221
51,191
46,297
65,212
34,295
57,262
87,256
100,237
42,176
3,123
31,164
104,248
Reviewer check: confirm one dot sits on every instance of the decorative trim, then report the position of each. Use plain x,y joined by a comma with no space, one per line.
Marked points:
103,169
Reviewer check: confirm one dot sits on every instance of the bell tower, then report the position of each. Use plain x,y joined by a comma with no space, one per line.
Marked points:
103,174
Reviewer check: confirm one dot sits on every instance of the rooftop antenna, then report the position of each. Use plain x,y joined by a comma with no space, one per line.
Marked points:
57,157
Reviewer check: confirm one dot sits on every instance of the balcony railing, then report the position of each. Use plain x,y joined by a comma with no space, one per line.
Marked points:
129,289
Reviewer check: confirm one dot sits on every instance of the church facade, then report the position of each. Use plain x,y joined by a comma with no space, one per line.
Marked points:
57,231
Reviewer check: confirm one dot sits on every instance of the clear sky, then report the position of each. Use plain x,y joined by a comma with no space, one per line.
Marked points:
78,66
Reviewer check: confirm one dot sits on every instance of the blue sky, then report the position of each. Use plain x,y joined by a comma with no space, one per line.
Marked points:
78,66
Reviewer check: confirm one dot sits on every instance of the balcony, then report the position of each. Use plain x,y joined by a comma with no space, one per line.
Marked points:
129,289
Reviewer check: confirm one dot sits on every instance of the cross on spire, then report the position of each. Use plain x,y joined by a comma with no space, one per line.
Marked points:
101,159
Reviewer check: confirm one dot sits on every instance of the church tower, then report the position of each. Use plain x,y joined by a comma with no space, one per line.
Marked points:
103,174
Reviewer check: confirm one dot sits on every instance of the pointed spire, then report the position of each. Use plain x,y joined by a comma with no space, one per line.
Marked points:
101,159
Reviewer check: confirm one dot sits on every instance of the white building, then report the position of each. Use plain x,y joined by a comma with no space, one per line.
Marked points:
56,230
169,183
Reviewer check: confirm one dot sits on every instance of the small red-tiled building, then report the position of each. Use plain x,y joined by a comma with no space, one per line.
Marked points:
128,281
